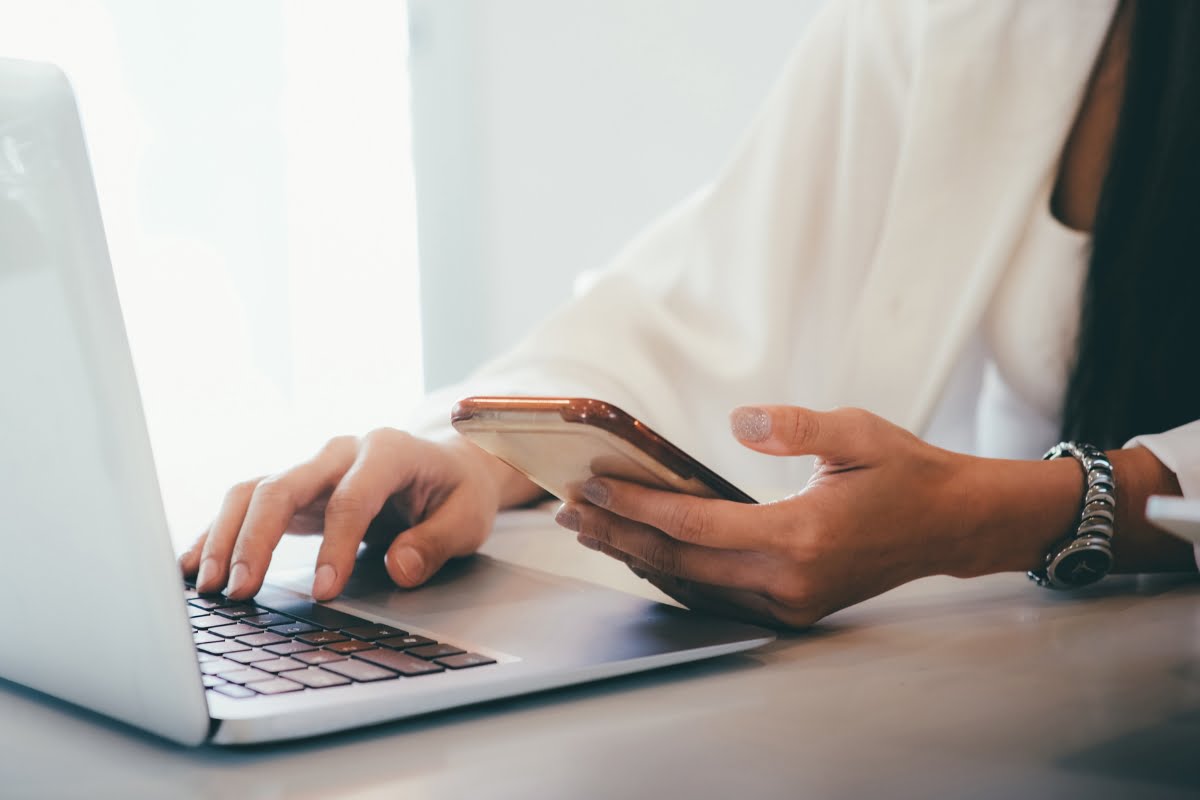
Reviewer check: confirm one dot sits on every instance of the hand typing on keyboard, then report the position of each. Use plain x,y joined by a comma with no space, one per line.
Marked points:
430,500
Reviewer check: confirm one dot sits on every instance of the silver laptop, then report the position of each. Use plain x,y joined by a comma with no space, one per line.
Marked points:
92,607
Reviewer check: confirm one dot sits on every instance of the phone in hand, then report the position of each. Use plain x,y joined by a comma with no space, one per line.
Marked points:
560,442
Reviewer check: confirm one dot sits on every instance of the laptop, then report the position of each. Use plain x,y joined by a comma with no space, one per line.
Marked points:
92,607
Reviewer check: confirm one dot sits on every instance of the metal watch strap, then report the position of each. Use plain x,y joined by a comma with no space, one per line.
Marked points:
1085,555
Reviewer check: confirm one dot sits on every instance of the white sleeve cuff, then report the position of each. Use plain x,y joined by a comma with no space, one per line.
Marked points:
1179,450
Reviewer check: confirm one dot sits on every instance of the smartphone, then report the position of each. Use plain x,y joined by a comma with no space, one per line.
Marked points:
560,442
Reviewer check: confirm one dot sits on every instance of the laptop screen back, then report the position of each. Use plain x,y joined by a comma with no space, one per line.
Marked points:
91,607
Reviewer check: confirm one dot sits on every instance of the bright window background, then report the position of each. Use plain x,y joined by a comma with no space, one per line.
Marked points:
253,162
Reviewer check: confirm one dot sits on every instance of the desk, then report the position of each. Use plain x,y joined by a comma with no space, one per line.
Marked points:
989,688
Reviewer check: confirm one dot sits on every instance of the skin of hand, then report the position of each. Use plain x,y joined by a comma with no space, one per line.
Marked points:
431,501
882,508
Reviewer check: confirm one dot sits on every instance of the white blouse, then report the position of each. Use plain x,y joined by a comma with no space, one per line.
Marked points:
881,238
1013,408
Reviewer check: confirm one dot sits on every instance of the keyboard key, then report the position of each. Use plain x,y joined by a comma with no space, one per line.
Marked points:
274,686
404,642
432,651
239,611
372,632
261,638
230,631
202,657
400,662
267,620
246,675
317,615
220,665
251,656
319,657
358,671
233,690
210,602
349,646
321,637
211,681
190,593
209,621
192,611
280,665
315,678
287,648
293,628
465,660
203,637
221,648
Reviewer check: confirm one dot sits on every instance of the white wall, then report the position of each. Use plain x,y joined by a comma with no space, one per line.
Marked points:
547,133
252,164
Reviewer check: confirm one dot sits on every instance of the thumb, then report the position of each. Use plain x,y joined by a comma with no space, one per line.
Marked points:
838,435
419,552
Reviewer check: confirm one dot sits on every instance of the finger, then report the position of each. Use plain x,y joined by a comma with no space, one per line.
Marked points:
214,555
456,529
385,465
841,434
698,520
273,504
189,562
662,554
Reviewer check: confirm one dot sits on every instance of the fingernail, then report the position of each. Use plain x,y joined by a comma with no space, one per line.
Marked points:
322,588
595,492
588,542
750,424
239,578
410,564
568,518
207,574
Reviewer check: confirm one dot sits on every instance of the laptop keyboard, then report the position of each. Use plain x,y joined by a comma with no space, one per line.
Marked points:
252,648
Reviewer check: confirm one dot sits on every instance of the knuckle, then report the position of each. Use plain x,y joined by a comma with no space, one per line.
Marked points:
345,505
662,557
338,445
242,490
856,417
791,593
387,437
690,521
804,427
274,489
596,524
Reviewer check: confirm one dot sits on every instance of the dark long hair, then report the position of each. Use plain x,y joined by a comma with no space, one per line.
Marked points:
1137,363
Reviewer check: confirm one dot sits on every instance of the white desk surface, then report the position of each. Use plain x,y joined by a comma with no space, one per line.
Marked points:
990,688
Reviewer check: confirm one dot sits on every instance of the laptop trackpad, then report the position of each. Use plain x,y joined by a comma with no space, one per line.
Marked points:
474,584
496,604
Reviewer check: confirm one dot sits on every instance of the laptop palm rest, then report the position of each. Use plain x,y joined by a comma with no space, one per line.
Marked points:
498,606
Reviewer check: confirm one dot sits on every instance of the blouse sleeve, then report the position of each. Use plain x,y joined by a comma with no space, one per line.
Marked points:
724,301
1179,451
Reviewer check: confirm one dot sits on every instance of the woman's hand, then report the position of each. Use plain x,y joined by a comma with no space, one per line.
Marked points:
882,508
441,496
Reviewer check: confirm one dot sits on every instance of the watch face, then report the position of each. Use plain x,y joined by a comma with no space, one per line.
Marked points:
1081,567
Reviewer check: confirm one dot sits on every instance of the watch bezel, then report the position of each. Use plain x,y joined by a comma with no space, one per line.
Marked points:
1057,577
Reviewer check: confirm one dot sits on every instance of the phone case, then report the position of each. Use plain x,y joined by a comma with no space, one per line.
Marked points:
560,442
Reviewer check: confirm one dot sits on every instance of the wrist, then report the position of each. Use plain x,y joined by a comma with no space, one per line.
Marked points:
1016,511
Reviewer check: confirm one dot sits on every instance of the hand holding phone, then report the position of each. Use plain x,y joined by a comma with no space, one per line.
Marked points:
560,442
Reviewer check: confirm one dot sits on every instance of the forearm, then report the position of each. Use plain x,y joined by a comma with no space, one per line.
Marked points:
1018,510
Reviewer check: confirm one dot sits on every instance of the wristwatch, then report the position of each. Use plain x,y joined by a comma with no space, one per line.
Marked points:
1085,555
